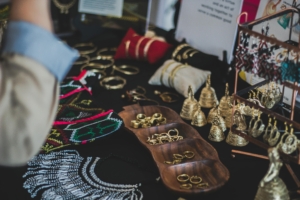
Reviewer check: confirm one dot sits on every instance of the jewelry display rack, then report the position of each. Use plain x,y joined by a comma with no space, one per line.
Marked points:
237,95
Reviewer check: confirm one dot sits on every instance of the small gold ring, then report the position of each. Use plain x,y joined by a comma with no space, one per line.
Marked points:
140,116
202,185
135,124
92,50
183,178
168,162
195,180
186,186
176,161
157,116
146,125
105,56
178,156
86,61
189,154
173,130
104,82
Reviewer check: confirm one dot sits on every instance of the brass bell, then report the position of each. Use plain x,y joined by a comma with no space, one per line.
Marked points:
234,139
216,133
272,186
225,102
212,113
199,118
228,118
189,105
208,95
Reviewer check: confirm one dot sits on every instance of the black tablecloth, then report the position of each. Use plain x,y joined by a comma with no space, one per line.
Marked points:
245,172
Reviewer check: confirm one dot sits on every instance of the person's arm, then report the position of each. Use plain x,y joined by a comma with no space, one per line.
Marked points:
34,61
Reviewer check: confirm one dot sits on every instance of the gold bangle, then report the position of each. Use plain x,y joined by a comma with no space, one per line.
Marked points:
137,47
175,52
84,52
173,73
92,65
100,65
185,53
122,69
105,56
104,82
193,53
183,178
127,45
147,47
86,61
164,70
95,70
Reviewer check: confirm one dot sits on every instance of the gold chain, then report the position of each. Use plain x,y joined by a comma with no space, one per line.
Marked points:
64,8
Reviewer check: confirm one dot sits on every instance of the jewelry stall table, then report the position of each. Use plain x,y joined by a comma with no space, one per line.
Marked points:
132,163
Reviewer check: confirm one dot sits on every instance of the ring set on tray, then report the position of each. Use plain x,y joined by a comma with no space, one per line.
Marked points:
161,138
187,182
178,158
142,121
100,62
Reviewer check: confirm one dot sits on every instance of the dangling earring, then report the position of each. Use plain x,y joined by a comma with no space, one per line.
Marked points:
258,123
250,127
274,135
289,141
266,136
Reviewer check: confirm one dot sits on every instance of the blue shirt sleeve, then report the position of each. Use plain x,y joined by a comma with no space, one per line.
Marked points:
40,45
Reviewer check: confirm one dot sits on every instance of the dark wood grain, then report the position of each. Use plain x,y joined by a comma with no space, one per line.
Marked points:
205,163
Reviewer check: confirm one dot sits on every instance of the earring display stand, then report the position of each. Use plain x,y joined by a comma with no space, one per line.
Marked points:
239,95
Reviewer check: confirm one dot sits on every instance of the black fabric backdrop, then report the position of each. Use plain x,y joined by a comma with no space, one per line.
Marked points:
245,172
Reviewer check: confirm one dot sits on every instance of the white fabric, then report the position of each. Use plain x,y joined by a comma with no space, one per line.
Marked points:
184,77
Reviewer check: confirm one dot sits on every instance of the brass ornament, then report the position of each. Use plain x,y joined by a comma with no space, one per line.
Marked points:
234,139
272,186
289,141
258,128
189,106
225,102
216,133
64,8
212,113
274,135
199,118
208,95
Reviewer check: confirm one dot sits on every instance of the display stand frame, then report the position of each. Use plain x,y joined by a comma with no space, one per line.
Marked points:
245,28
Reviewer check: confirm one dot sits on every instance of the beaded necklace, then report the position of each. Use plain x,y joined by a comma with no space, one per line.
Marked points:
58,174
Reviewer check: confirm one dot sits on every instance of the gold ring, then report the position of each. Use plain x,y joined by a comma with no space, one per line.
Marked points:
183,178
92,50
104,82
188,154
178,156
157,116
86,61
140,116
162,121
202,185
173,130
105,56
186,186
195,180
134,124
168,162
176,161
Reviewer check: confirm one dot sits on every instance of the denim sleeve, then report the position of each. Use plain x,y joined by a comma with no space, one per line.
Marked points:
34,42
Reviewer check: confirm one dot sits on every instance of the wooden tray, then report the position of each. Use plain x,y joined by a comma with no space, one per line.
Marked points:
205,163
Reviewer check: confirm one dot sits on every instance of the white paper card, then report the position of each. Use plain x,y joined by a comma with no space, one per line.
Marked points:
102,7
209,26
